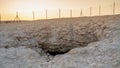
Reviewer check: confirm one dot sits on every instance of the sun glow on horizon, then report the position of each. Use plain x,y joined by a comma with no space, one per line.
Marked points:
9,8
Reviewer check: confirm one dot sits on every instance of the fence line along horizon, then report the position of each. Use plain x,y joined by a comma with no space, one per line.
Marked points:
71,12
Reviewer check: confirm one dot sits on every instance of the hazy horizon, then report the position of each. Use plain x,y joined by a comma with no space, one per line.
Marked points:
25,7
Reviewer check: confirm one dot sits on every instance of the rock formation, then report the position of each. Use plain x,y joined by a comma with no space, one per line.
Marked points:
88,42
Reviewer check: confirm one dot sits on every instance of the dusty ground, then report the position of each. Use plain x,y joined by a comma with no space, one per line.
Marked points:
87,42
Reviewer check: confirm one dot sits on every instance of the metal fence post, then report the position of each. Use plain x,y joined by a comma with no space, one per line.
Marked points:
99,10
33,15
81,13
46,14
0,18
113,8
71,13
59,13
17,19
90,11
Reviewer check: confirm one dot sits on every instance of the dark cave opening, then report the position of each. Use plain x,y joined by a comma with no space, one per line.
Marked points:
57,53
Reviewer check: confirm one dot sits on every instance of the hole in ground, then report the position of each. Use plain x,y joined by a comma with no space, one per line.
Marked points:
72,38
57,53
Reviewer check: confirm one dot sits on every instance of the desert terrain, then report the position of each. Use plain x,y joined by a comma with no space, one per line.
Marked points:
81,42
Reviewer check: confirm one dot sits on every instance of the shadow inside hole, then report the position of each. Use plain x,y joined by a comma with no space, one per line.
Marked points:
57,53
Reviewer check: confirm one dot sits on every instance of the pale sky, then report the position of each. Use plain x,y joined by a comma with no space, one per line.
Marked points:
25,8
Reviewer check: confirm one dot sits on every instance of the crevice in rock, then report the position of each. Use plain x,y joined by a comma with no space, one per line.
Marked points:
72,36
57,53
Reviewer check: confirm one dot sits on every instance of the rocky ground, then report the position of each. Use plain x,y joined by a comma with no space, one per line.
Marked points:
86,42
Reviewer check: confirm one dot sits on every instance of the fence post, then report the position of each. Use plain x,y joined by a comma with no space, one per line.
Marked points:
99,10
17,19
113,8
33,15
46,14
90,11
59,13
71,13
81,13
0,18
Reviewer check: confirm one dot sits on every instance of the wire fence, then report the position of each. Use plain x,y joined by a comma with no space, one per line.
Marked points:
63,13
